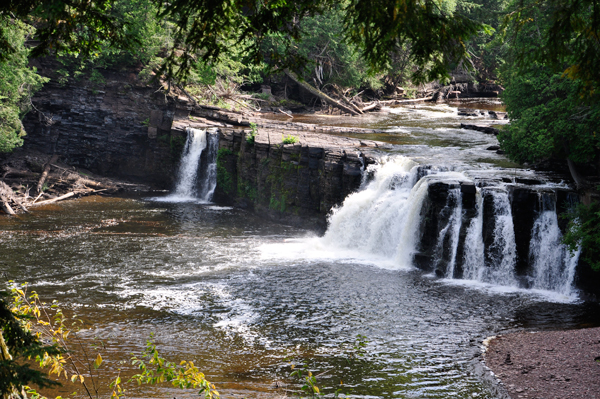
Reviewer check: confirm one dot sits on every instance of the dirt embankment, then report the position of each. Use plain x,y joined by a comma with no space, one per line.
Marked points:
548,365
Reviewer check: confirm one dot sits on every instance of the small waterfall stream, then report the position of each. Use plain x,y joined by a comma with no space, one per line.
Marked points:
553,264
387,219
196,180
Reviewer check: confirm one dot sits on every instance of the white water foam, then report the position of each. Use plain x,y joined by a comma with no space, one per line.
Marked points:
552,263
474,249
186,188
452,228
380,225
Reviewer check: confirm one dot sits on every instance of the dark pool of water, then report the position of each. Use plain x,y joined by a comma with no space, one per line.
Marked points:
195,275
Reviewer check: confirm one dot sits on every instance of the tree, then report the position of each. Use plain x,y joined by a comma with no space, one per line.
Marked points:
18,82
206,28
71,26
553,114
568,38
16,346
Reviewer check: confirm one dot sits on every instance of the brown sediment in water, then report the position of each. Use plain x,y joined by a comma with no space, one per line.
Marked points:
549,364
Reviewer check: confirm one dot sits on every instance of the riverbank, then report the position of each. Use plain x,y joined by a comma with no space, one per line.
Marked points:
549,364
29,178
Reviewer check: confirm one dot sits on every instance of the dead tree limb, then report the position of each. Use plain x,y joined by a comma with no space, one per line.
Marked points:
285,113
47,167
339,92
320,94
6,207
50,201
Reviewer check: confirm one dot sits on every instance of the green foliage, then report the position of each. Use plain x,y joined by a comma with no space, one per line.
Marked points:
563,36
27,322
96,77
17,345
332,59
548,118
79,27
253,131
584,232
434,36
289,139
262,96
18,82
156,369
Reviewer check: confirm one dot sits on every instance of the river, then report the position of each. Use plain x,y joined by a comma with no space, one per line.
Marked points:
233,293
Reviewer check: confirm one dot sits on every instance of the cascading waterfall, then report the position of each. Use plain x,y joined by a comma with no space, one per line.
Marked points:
502,253
372,220
448,236
553,265
474,248
384,220
188,188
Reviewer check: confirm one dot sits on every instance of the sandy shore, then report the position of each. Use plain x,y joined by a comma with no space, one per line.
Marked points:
551,364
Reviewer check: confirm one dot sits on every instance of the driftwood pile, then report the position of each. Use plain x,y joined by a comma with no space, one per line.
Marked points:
21,188
353,106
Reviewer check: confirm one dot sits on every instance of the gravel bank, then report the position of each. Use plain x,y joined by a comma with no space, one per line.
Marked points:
551,364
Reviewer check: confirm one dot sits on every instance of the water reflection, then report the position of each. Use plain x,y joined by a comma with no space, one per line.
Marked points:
194,275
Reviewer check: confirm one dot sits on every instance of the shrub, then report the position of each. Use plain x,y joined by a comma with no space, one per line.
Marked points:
252,136
289,139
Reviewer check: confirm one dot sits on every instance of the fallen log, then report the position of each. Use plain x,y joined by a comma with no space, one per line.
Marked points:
18,173
375,106
50,201
320,94
413,100
6,207
339,92
285,113
47,166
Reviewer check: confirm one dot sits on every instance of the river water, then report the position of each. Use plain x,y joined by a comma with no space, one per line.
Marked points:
231,292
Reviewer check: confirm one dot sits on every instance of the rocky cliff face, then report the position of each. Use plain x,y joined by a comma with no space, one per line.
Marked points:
296,183
116,127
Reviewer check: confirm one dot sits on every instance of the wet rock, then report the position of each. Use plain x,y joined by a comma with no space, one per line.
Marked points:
493,148
525,208
468,112
295,184
435,214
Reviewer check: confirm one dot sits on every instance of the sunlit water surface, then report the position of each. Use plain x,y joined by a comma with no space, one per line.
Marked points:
205,280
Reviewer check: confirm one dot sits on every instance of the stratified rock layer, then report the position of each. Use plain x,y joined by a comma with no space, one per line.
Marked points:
297,183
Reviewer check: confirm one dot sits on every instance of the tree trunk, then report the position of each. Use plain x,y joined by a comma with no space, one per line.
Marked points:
339,92
320,94
40,184
580,181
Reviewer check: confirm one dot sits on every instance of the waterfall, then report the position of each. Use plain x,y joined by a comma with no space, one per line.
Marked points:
383,219
474,249
501,256
397,220
553,266
448,237
372,220
195,182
